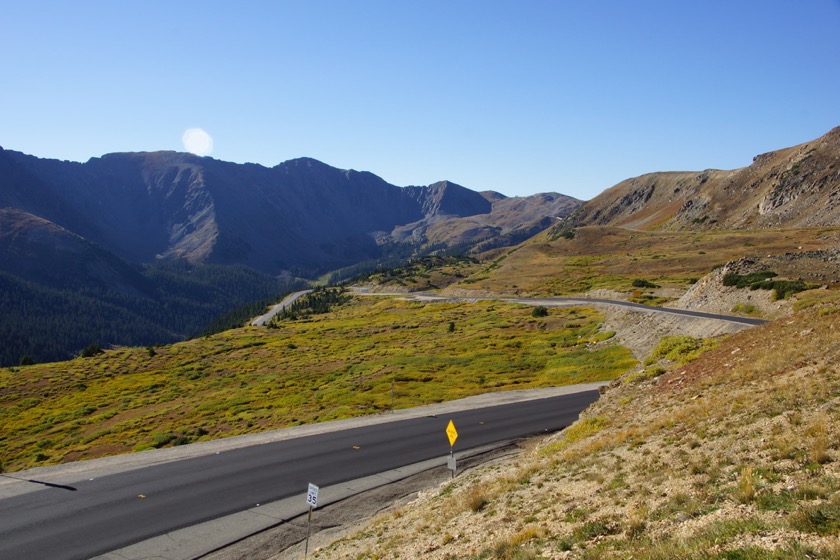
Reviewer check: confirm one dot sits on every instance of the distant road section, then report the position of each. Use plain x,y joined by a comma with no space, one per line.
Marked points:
640,307
554,301
287,301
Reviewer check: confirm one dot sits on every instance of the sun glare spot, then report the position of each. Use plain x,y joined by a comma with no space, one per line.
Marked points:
197,141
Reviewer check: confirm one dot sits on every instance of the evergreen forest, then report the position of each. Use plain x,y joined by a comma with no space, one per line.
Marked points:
175,301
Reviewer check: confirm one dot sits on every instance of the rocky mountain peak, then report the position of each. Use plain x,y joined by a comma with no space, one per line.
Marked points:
790,187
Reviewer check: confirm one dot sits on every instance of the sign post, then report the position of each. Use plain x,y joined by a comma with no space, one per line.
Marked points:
312,502
452,434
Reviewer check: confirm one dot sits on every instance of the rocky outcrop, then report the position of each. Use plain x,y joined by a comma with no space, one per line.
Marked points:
815,268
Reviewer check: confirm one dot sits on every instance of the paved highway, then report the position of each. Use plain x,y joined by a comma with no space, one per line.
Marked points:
639,307
275,309
91,517
549,301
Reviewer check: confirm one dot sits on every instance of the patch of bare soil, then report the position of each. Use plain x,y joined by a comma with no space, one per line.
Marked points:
642,331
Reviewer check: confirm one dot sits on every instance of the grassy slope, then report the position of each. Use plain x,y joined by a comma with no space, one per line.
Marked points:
734,455
332,366
601,257
427,273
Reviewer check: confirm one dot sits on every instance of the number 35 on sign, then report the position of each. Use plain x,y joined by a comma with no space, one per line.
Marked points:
312,496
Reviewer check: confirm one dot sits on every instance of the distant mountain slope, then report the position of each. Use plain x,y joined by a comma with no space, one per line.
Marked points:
508,222
44,253
60,292
300,214
144,248
646,239
791,187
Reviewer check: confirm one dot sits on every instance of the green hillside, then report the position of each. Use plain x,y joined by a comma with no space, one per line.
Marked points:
324,367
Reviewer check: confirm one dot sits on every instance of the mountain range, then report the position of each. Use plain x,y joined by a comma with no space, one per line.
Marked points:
151,247
299,215
163,242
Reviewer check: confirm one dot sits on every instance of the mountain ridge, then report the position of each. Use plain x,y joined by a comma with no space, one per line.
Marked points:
105,238
790,187
147,206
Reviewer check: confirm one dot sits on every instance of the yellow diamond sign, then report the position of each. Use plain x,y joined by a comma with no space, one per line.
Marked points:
451,433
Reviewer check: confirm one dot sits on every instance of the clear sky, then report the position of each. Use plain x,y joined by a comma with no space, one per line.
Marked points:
518,96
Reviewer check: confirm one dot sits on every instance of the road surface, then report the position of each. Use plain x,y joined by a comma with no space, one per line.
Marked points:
554,301
91,517
287,301
639,307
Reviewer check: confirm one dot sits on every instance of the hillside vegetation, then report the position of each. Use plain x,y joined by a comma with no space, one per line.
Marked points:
734,454
336,365
613,258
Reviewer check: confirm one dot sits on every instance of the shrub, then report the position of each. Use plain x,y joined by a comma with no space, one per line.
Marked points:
822,519
783,288
746,486
679,349
641,283
476,499
597,528
91,350
576,432
641,375
747,280
762,281
743,308
160,439
540,311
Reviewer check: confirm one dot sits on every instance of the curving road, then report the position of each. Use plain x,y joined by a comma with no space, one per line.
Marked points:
275,309
91,517
549,301
639,307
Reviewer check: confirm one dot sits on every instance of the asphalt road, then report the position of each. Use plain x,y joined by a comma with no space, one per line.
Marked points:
275,309
93,517
640,307
554,301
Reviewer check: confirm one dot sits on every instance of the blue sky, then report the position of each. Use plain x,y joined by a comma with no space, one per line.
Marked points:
519,96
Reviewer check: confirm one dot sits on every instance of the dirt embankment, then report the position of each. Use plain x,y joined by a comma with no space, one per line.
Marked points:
641,332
